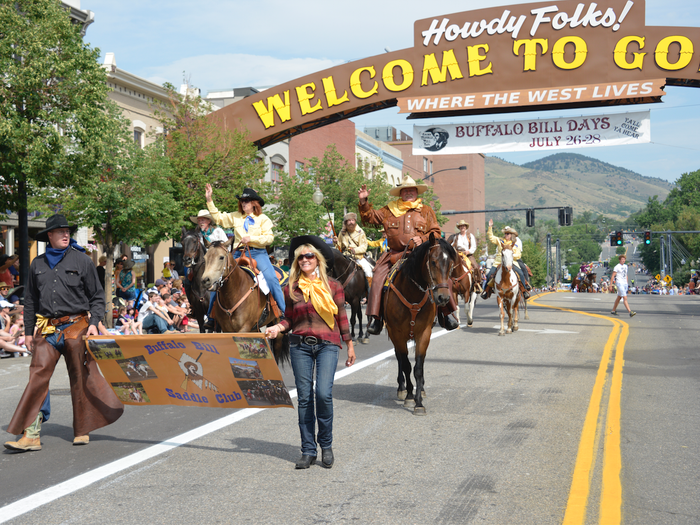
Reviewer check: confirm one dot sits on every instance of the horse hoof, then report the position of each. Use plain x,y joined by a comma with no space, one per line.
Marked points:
509,331
515,328
408,403
501,333
402,394
364,340
419,411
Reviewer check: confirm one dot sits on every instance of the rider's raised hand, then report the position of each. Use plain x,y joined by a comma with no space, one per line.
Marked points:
363,193
491,223
208,192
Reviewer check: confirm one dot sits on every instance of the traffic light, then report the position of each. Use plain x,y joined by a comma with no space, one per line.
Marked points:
566,216
613,240
647,237
618,238
530,218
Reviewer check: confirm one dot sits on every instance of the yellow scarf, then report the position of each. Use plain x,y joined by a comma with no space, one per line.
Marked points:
321,298
400,207
43,325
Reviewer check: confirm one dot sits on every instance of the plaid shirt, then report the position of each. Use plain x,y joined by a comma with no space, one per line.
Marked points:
301,317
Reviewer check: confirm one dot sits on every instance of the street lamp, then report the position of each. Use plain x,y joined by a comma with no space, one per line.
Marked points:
317,196
461,168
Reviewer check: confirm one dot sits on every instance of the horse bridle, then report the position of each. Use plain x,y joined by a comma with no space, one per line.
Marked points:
222,280
200,245
352,264
431,280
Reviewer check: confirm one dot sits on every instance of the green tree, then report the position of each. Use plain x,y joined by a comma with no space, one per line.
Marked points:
202,150
535,257
620,250
53,99
297,214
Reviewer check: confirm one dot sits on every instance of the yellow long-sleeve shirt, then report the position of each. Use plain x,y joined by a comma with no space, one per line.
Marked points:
495,240
260,232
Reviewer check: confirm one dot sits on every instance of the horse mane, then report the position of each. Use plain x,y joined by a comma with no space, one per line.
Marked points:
414,261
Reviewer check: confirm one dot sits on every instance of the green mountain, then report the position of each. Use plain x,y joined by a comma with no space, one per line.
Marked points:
568,179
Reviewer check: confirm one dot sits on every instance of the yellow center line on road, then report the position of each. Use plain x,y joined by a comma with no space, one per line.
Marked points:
611,491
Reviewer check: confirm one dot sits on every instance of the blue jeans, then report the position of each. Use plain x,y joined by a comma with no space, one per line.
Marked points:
325,357
265,266
53,340
156,321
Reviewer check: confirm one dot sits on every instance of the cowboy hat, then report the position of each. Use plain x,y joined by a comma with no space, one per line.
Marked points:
407,182
53,223
250,194
462,223
3,284
202,213
6,261
317,243
508,229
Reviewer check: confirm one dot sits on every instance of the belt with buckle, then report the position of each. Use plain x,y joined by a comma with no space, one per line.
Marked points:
307,339
56,321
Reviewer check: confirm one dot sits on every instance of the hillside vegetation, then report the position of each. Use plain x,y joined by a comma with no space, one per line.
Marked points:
567,179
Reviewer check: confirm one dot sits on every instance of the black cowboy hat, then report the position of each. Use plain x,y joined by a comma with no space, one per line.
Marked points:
317,243
53,223
249,193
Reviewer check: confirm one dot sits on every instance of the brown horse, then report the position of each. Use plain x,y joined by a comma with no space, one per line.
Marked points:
240,305
193,258
463,284
409,307
351,275
508,289
585,284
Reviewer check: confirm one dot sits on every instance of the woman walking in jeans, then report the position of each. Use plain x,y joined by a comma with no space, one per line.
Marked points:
315,316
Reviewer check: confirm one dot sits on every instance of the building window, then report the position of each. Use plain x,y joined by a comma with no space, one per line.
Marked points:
138,137
425,165
277,170
431,167
298,166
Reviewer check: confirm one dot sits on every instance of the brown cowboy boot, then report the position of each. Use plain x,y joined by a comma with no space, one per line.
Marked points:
24,444
487,292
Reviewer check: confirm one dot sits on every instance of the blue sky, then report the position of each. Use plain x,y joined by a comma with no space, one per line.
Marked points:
221,44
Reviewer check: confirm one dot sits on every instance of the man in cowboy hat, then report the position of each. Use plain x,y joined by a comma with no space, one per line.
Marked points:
62,289
509,235
405,220
352,241
465,244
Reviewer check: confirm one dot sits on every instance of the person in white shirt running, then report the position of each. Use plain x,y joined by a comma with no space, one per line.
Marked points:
619,275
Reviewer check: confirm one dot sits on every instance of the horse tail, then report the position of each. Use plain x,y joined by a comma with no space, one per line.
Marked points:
280,349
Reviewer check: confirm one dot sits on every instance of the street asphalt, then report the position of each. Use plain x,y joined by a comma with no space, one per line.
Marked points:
498,445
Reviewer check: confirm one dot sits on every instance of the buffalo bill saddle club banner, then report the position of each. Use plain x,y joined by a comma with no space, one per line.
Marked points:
212,370
532,135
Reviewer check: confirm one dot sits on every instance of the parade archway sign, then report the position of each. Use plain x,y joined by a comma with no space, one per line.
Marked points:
538,56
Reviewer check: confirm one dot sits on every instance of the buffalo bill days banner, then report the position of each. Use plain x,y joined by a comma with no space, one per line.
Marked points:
533,135
536,56
212,370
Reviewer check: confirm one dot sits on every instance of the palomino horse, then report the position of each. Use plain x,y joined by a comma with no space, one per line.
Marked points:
193,258
409,307
506,284
239,304
463,284
351,275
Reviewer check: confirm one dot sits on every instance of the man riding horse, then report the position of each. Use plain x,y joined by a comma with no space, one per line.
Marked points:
352,242
509,236
465,244
405,220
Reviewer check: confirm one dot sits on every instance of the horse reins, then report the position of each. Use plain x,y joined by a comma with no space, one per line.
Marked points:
219,283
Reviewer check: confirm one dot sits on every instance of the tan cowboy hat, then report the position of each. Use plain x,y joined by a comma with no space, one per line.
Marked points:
3,284
508,229
462,223
407,182
203,213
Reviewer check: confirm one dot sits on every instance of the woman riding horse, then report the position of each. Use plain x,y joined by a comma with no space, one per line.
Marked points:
253,228
210,232
509,236
465,244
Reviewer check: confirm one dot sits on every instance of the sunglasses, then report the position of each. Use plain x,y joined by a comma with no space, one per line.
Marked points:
307,256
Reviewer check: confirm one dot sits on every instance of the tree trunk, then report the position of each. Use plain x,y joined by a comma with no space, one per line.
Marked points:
110,291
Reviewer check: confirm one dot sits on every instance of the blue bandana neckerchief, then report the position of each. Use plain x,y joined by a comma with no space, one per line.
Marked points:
54,256
207,233
249,221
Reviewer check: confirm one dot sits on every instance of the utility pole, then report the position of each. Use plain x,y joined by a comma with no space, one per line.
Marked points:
549,259
557,273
